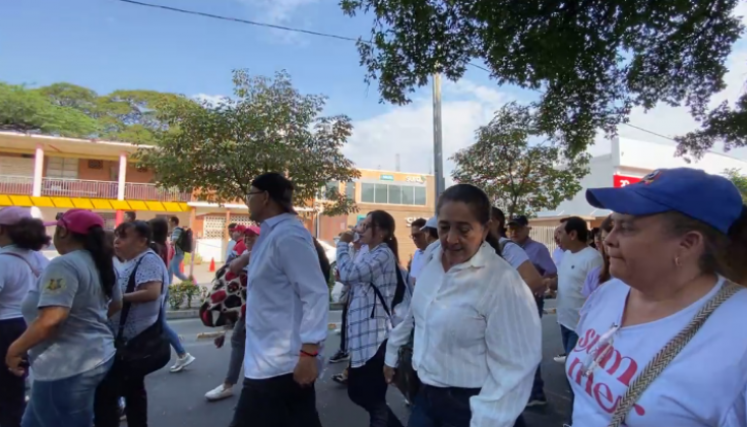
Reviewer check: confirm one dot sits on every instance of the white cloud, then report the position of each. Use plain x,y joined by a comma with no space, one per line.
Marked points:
408,130
278,12
210,99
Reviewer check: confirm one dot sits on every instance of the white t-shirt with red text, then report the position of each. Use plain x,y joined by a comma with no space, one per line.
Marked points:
704,386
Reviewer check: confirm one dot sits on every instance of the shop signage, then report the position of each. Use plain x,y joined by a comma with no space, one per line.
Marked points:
622,180
386,177
417,179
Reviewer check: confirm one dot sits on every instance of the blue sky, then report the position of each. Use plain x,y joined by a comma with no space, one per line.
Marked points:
108,45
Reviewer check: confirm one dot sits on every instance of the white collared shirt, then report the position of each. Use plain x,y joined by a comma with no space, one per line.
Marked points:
287,298
418,259
476,326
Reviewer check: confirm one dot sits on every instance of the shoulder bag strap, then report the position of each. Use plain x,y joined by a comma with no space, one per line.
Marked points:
126,305
378,294
35,271
660,361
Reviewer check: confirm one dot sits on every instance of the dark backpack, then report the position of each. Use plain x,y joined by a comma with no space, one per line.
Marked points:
184,242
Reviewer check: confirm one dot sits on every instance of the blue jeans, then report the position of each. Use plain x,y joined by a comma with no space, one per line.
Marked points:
445,407
170,333
67,402
176,261
570,338
539,385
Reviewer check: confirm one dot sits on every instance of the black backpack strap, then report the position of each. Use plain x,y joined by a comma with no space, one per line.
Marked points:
399,293
127,305
383,302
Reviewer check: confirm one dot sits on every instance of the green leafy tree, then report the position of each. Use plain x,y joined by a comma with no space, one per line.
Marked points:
25,110
267,127
520,177
739,180
724,123
593,60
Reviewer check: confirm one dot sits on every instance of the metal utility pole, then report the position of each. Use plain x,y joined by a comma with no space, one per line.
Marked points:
438,160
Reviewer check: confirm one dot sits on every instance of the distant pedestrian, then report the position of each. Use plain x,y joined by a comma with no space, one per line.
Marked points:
130,216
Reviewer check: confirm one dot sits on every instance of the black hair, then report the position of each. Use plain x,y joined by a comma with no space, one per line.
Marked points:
383,221
432,232
131,214
577,224
28,233
232,225
498,216
604,273
100,246
323,260
160,229
478,203
419,223
724,253
175,220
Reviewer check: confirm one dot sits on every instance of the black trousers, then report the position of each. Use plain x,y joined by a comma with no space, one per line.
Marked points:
12,388
367,389
344,329
119,383
276,402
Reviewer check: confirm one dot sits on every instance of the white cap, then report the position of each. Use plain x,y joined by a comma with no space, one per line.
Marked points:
431,223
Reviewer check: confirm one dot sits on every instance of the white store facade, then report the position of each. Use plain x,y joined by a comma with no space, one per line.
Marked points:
627,162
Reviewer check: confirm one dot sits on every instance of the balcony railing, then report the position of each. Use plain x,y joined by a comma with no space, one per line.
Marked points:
139,191
16,185
65,187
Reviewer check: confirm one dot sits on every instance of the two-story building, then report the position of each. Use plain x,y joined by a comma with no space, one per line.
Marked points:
53,174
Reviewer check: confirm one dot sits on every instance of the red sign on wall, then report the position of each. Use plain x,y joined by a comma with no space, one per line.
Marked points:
622,180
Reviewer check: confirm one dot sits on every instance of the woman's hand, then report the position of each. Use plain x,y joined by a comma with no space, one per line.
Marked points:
388,374
220,341
15,362
347,237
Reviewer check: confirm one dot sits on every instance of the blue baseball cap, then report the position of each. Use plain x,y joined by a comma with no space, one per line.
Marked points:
711,199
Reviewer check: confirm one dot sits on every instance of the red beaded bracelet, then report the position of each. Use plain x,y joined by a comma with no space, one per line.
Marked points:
306,353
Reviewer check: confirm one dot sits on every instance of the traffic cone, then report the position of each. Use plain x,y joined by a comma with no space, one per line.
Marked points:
212,265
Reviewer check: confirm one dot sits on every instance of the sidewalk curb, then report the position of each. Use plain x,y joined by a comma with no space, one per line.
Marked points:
182,314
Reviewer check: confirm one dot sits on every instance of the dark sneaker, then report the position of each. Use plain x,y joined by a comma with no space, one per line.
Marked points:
340,356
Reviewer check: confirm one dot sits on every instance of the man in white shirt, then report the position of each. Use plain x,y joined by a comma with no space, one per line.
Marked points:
557,254
578,260
232,239
420,238
287,306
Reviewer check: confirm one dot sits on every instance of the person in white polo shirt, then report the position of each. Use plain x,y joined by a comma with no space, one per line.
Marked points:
578,260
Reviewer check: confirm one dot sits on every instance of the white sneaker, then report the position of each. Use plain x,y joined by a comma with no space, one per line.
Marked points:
182,362
219,393
559,358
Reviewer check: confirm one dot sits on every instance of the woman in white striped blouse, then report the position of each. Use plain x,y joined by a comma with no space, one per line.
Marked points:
477,332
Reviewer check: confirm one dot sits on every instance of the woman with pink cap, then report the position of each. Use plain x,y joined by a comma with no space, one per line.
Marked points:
69,344
21,236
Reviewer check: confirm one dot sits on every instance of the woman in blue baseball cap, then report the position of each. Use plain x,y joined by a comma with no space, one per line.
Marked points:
660,343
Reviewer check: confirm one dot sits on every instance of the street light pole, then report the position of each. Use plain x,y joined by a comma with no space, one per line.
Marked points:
438,167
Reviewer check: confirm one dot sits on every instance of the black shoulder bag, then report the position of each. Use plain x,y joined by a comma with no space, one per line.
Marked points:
150,350
406,377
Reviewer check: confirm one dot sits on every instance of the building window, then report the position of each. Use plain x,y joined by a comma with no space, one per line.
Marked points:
62,167
393,194
350,190
328,187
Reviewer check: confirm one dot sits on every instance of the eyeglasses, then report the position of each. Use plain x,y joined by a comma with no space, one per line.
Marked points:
600,351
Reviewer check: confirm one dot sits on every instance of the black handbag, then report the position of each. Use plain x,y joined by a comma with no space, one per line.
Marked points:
147,352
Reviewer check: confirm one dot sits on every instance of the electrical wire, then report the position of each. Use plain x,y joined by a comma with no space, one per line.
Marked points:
311,33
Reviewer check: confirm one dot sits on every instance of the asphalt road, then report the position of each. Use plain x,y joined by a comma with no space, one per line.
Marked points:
178,399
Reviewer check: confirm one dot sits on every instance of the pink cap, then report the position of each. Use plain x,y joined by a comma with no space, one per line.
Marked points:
13,215
252,229
80,221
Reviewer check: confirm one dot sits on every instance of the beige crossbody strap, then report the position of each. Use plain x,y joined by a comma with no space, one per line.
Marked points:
657,365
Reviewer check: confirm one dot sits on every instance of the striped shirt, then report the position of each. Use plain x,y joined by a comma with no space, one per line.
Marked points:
476,326
368,322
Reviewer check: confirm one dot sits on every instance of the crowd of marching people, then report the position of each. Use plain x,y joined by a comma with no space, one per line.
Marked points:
647,307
